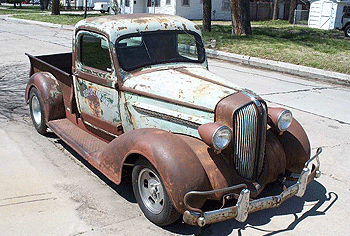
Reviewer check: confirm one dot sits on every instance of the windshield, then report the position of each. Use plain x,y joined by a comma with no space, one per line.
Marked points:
151,48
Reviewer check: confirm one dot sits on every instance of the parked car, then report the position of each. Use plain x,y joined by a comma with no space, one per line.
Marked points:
136,93
345,21
101,6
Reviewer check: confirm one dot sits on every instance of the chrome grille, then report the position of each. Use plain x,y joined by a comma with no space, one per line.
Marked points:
248,153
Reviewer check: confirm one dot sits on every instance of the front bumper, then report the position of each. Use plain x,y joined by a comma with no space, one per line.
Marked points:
244,206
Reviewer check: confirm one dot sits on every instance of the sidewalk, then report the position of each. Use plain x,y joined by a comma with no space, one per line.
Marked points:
309,72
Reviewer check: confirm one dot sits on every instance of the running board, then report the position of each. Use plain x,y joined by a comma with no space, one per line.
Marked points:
85,144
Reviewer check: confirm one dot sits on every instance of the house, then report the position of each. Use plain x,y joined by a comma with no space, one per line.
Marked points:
190,9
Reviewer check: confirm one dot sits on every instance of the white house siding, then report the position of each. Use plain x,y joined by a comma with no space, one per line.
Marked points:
166,8
195,10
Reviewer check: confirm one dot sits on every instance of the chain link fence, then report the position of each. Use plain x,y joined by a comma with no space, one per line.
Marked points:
301,17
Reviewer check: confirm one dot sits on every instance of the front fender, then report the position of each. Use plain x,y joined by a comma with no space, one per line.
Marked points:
294,140
296,146
175,160
50,91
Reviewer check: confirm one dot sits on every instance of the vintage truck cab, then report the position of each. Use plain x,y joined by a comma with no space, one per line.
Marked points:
136,93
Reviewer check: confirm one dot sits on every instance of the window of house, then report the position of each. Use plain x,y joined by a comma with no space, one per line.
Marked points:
153,3
225,5
185,2
94,52
127,3
168,2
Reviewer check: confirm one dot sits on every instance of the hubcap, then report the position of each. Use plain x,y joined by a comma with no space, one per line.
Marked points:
151,190
36,111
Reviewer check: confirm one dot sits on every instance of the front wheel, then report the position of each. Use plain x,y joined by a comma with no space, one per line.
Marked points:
151,195
37,111
347,31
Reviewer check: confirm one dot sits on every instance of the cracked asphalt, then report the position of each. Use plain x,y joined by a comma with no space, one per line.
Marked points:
47,189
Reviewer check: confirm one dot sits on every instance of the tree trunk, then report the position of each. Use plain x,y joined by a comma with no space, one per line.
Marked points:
240,11
85,12
55,7
275,8
207,15
293,5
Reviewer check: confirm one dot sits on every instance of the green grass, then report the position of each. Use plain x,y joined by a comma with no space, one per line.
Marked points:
273,40
64,19
281,41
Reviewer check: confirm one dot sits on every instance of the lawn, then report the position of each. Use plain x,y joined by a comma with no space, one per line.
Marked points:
281,41
273,40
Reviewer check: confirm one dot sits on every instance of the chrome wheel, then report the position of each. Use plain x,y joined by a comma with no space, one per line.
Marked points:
151,191
36,110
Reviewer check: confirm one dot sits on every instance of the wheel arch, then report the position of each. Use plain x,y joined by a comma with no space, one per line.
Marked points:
177,164
51,93
294,140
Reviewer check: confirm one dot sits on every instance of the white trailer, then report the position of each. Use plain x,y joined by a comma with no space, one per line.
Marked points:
326,14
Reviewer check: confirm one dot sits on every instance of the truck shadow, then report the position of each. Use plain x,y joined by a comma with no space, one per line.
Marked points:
316,194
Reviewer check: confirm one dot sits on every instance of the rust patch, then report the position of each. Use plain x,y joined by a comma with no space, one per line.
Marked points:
122,28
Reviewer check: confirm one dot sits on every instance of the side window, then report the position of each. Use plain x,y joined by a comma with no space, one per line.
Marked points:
187,46
94,52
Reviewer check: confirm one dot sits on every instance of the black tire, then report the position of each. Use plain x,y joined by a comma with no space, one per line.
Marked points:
156,206
37,112
347,31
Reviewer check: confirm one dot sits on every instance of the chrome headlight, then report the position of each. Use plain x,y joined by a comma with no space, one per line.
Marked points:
216,135
221,137
284,120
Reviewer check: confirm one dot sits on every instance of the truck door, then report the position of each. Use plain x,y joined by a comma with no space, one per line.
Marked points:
94,83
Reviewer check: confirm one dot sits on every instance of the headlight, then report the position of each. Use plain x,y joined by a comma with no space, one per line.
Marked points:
221,137
284,120
215,135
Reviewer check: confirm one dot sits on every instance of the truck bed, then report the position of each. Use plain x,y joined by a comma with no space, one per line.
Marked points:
57,64
60,66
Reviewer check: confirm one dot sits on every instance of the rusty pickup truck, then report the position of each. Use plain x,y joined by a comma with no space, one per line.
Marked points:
136,95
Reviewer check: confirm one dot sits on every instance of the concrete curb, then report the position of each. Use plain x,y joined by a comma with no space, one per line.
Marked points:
323,75
313,73
47,24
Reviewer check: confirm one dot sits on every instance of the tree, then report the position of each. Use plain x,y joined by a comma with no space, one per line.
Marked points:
115,7
55,7
240,11
274,17
293,5
207,15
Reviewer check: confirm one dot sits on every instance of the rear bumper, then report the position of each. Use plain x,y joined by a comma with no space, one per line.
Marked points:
244,206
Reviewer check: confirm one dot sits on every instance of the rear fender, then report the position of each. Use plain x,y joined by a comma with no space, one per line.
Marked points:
176,162
50,91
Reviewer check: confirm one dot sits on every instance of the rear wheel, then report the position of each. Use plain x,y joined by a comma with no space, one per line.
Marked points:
37,111
151,195
347,31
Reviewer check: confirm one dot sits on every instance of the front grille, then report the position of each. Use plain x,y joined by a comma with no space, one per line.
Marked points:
249,140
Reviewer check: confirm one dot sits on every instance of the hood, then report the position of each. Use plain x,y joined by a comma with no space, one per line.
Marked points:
195,85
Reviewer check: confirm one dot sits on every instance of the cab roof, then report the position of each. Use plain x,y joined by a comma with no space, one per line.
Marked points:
115,26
